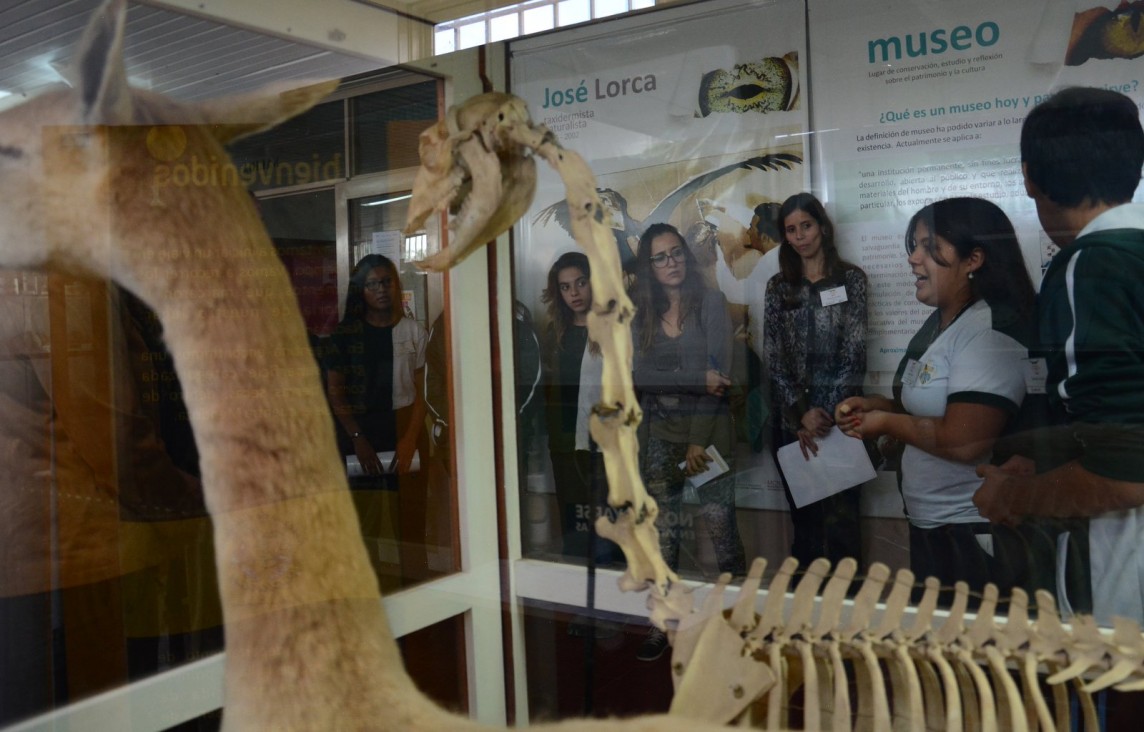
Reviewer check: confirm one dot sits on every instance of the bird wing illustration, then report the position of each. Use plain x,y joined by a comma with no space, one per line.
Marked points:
663,210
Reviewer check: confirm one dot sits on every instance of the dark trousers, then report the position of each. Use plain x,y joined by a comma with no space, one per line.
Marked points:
581,504
955,553
828,528
413,509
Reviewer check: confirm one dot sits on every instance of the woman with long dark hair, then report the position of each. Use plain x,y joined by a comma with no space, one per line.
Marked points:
682,335
816,352
573,368
959,385
374,377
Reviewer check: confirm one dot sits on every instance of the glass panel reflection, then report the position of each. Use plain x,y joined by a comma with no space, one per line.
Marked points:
108,572
387,123
436,658
386,370
307,149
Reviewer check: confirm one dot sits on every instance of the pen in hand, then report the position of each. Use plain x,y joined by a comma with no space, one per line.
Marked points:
717,381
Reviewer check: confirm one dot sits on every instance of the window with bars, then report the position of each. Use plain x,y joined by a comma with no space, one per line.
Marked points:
524,19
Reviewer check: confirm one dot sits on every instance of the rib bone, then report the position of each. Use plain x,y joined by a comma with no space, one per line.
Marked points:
936,674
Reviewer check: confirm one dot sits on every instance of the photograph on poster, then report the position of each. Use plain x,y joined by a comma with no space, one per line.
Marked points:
766,85
673,205
891,107
708,135
1107,33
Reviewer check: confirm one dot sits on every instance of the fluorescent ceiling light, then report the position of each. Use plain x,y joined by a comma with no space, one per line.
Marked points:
389,200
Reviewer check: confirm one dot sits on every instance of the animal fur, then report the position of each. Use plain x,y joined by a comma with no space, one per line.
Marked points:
308,645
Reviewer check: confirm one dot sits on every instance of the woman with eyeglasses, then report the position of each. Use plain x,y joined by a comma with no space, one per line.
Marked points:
375,369
958,387
815,347
682,338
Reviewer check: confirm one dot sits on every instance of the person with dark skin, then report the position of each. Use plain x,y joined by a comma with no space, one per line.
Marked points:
374,380
1081,155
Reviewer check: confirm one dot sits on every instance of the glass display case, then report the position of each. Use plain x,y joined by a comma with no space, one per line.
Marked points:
715,131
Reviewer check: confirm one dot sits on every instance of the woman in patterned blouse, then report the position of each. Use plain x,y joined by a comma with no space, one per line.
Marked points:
816,351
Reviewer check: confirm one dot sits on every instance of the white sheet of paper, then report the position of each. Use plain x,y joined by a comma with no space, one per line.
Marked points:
353,465
715,468
841,463
387,244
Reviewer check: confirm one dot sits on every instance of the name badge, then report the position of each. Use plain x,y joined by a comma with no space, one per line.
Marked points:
1036,373
910,374
833,296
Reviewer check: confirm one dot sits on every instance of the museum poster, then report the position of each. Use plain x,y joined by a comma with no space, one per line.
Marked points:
916,100
693,116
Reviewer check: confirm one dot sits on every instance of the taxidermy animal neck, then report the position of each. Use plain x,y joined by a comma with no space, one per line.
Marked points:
308,646
307,642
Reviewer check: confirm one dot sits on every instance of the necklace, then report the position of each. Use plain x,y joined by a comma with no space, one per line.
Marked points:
942,328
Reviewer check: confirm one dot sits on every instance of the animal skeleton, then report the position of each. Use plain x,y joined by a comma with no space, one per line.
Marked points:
723,663
308,646
936,679
493,134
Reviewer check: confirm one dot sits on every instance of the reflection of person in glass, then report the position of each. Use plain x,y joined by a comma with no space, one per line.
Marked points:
374,373
751,289
815,347
682,338
108,571
573,366
958,386
1081,154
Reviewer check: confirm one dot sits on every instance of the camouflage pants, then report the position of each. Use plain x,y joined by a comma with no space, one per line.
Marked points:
664,482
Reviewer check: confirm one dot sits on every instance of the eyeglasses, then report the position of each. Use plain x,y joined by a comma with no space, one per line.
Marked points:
377,285
659,261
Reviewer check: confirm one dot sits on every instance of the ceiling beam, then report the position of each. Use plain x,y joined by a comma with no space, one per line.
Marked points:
346,26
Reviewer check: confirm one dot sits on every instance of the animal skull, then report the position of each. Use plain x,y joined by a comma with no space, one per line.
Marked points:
479,160
470,166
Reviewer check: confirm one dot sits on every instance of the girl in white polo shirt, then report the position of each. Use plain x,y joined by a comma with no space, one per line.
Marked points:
959,385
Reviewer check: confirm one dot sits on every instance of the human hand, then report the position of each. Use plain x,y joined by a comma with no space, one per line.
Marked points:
717,383
995,498
697,459
406,447
867,424
817,422
848,414
807,444
367,456
1019,465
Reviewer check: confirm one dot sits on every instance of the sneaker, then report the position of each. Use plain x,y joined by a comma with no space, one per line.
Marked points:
653,646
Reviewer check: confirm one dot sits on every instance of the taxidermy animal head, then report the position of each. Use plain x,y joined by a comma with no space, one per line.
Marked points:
307,643
83,190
